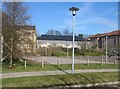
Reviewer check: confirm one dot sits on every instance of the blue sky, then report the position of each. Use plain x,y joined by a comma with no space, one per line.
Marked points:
92,18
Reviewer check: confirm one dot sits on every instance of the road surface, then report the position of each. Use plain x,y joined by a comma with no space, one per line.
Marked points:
68,60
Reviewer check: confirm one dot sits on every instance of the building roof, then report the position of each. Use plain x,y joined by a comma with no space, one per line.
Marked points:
59,37
113,33
96,35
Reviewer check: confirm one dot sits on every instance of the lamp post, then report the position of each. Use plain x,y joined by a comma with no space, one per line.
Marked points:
73,10
67,49
106,47
89,42
97,42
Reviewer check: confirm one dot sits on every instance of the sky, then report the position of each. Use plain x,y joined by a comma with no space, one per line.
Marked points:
92,18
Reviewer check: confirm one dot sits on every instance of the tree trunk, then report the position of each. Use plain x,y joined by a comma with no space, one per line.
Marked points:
11,51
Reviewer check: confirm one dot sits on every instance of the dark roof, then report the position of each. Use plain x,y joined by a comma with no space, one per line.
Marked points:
59,37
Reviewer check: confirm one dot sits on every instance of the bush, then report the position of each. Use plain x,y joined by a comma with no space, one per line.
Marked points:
88,52
58,51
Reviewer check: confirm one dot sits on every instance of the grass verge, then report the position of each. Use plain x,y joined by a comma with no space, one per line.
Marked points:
34,66
60,80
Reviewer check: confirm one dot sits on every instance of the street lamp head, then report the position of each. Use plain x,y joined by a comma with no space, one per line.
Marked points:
74,9
106,36
97,38
89,39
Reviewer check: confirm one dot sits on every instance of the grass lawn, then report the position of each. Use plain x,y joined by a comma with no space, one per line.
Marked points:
34,66
56,80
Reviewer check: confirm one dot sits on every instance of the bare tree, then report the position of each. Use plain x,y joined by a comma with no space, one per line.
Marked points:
53,32
57,32
14,15
66,32
50,32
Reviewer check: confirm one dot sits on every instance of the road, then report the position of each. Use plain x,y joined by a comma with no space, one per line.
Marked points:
68,60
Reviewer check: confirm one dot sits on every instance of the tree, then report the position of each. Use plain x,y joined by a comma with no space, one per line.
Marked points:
53,32
14,15
50,32
86,35
57,32
71,33
66,32
80,35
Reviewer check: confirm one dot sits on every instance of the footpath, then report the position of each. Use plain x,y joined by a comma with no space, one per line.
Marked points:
43,73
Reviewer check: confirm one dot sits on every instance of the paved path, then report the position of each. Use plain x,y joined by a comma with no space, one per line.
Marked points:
68,60
42,73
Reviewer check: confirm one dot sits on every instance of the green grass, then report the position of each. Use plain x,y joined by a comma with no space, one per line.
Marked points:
34,66
56,80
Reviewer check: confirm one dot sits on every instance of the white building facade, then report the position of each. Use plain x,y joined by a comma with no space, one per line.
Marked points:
61,41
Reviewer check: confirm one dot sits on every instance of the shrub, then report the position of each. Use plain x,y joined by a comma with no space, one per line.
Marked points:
58,51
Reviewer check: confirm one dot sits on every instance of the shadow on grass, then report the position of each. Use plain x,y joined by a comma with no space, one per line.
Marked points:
56,66
77,79
90,80
70,85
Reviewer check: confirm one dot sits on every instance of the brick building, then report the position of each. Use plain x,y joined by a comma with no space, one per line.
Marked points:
28,39
113,40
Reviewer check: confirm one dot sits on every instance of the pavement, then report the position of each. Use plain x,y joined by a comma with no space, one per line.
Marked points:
43,73
68,60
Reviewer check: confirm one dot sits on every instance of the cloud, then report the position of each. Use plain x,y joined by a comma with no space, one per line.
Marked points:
85,24
87,19
100,21
85,9
60,27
